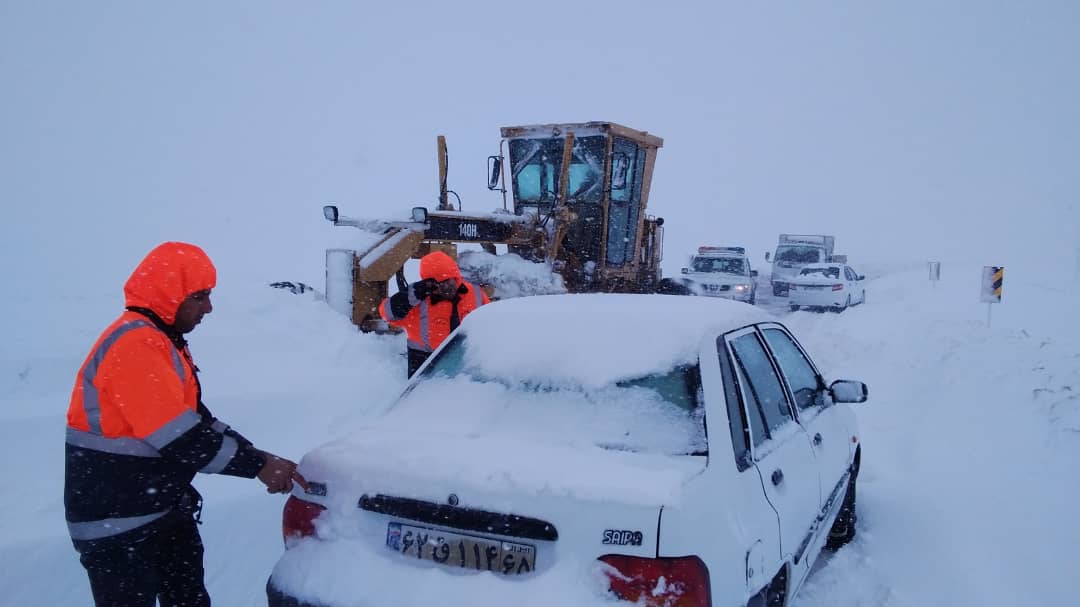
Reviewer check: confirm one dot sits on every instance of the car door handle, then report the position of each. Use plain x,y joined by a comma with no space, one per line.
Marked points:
817,439
777,476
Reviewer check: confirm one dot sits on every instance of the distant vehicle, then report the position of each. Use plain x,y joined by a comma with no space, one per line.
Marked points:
722,272
827,285
793,251
582,462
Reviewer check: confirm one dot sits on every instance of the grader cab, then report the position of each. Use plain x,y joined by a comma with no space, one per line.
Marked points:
579,196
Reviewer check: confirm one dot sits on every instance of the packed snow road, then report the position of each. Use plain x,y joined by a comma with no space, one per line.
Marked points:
966,494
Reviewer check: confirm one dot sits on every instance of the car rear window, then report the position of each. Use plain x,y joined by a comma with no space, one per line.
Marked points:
832,272
660,412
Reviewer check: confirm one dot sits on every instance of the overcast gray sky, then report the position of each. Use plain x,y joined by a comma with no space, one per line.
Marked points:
909,130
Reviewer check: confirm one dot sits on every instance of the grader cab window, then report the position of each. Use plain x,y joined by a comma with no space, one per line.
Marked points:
536,165
627,169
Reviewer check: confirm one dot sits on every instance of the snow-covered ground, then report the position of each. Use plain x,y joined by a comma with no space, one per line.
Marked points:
970,438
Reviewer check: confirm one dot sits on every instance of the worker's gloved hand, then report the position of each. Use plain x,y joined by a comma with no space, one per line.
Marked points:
423,288
279,473
450,288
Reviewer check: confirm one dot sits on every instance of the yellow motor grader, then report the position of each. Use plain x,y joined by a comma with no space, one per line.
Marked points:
579,196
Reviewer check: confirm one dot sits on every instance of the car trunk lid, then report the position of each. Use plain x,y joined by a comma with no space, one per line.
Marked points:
484,504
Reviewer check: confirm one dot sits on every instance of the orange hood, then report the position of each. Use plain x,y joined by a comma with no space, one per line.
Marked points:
166,276
440,266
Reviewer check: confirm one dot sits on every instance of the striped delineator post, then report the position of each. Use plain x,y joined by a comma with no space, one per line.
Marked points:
992,279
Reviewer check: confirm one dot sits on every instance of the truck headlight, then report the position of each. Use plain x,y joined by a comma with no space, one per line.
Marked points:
742,288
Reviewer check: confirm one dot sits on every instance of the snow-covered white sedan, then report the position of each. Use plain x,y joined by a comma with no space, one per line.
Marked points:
585,450
827,285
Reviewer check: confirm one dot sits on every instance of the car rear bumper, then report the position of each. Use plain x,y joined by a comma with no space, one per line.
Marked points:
830,298
278,598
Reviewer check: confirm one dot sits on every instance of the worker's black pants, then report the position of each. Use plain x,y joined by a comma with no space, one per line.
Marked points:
167,566
416,358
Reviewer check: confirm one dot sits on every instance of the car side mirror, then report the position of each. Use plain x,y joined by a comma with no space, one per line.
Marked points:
766,256
330,212
861,276
686,270
848,391
753,273
494,171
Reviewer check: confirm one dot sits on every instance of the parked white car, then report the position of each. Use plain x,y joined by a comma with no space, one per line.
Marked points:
827,285
580,450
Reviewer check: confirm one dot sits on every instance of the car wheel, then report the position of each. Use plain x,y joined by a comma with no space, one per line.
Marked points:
843,529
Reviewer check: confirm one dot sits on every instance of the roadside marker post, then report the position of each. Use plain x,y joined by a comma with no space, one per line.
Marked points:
992,279
935,272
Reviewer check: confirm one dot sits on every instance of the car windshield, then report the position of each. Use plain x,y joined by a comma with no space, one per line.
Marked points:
798,254
660,412
829,272
726,265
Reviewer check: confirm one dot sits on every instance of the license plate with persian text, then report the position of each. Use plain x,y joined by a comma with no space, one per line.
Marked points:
461,550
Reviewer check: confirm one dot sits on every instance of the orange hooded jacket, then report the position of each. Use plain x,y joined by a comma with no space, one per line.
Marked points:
136,429
427,323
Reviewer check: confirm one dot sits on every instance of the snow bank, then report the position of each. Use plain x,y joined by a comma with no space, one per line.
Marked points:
967,490
511,275
967,493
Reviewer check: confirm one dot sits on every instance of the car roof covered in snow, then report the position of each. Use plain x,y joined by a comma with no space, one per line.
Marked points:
710,254
595,339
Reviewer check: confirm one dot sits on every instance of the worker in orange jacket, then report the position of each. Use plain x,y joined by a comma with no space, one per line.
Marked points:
431,308
138,432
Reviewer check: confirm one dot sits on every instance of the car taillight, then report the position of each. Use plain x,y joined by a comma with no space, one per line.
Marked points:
838,287
662,582
298,518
